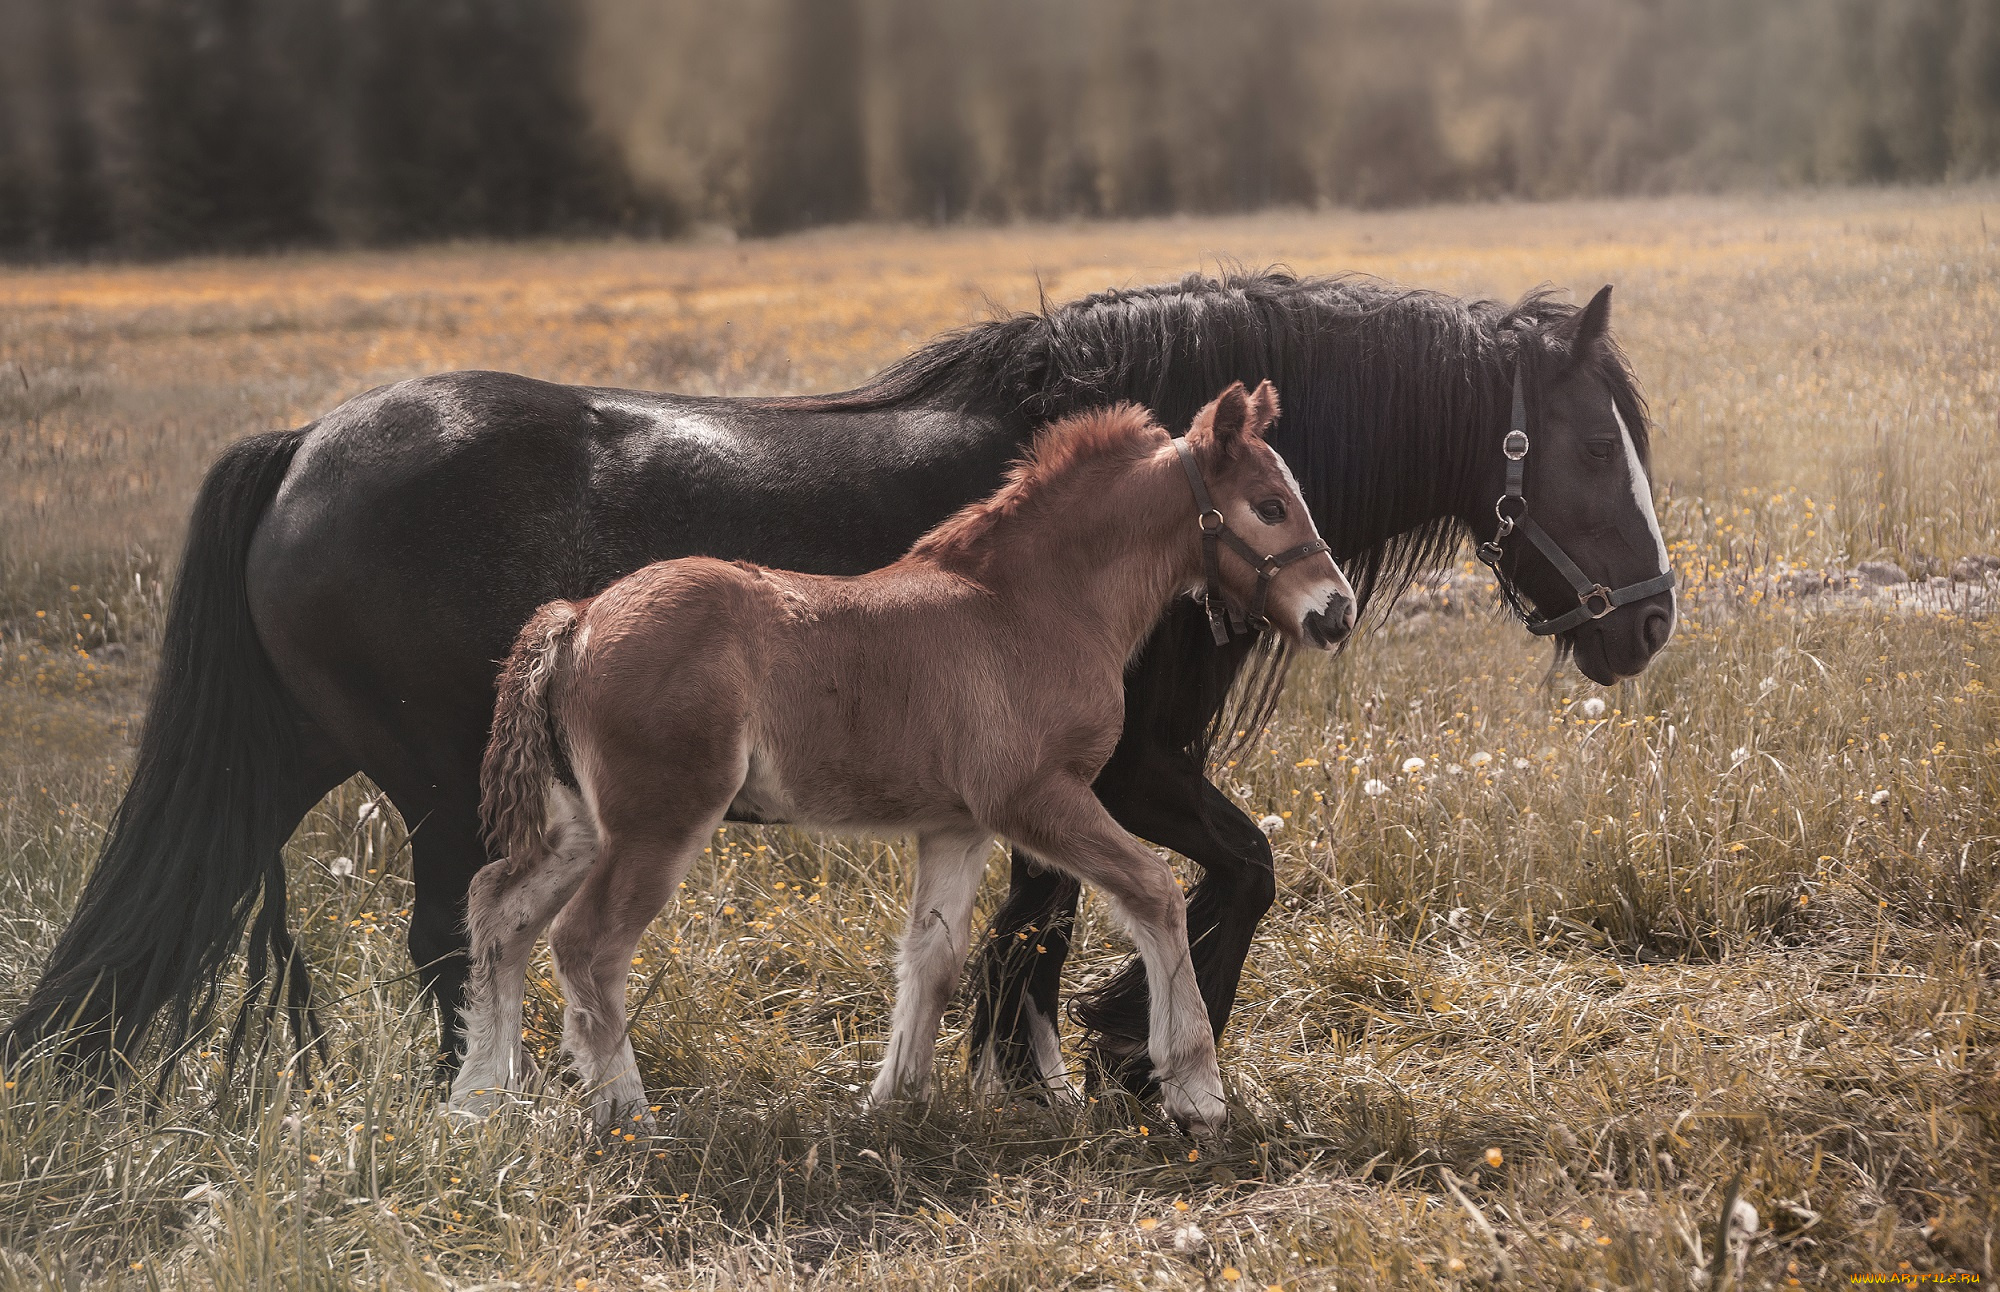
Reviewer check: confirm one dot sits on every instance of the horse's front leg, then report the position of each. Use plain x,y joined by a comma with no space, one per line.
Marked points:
1015,1042
1162,796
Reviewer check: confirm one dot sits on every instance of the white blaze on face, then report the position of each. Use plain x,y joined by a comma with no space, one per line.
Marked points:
1642,491
1292,481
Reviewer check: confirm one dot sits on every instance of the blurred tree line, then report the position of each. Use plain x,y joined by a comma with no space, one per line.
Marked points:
168,125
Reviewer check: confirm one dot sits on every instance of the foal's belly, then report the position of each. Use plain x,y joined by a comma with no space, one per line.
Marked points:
839,798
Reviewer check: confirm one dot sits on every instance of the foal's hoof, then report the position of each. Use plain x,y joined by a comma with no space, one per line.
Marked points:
628,1127
480,1102
1196,1107
476,1093
881,1099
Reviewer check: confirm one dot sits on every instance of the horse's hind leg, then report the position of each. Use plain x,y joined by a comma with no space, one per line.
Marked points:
1064,822
640,864
949,867
509,906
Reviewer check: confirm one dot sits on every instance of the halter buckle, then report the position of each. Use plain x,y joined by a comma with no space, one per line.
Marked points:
1490,553
1601,595
1203,522
1515,446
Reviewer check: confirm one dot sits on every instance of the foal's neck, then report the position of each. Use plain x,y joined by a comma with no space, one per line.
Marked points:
1107,550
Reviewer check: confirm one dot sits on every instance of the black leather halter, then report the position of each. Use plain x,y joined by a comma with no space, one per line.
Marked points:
1214,532
1593,599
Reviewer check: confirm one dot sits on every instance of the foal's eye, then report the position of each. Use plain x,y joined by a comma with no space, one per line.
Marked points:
1599,449
1271,511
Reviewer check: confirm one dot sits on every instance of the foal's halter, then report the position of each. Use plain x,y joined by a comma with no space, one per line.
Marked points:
1214,532
1594,600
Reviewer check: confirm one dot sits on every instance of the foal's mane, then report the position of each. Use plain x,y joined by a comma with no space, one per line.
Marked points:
1112,437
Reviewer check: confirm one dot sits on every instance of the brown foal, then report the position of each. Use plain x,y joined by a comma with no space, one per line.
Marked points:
972,689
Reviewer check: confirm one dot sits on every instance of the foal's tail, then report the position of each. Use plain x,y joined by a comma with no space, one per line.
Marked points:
520,756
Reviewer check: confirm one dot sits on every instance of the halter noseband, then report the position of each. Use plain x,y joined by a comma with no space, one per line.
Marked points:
1214,532
1593,599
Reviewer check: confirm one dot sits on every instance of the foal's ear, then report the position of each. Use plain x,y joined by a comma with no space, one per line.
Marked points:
1263,410
1592,324
1224,419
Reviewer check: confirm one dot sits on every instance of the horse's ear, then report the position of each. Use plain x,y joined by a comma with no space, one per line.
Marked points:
1263,410
1592,324
1224,418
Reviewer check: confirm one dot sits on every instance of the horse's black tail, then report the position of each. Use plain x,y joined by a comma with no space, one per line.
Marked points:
196,841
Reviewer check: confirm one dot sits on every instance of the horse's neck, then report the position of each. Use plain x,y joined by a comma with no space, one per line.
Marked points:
1379,483
1107,554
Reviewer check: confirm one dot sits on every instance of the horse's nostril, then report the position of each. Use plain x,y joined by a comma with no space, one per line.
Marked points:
1657,626
1341,611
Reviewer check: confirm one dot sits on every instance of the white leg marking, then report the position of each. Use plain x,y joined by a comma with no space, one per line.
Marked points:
596,1031
949,868
1179,1040
1048,1053
508,907
1044,1045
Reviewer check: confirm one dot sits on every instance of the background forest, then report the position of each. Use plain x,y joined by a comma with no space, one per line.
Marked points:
161,126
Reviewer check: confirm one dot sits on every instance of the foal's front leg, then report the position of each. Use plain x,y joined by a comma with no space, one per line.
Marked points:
949,868
1064,822
1161,795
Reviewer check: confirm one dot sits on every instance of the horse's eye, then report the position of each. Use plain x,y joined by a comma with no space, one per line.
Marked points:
1271,511
1599,449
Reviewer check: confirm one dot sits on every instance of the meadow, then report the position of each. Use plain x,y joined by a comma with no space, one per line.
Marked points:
1555,971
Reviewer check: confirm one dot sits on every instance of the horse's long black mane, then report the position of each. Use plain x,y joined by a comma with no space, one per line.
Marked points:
1393,398
1381,386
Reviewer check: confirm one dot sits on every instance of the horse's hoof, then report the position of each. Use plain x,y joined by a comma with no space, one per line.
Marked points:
1119,1063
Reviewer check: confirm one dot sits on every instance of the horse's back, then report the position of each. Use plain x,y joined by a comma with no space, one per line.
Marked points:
422,523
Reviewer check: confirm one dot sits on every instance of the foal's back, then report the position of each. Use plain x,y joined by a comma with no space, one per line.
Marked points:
892,699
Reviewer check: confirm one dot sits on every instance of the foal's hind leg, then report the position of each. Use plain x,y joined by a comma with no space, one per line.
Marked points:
640,864
949,867
509,906
1063,821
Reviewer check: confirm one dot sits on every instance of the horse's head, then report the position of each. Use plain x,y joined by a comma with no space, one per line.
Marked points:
1564,512
1262,554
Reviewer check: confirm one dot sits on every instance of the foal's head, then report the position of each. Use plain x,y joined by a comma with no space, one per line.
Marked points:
1298,590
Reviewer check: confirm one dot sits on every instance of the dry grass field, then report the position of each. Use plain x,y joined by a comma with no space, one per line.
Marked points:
1553,969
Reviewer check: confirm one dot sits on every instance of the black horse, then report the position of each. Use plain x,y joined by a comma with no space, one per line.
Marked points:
348,588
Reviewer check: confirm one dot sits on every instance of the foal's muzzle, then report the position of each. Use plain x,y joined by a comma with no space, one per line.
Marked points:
1328,627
